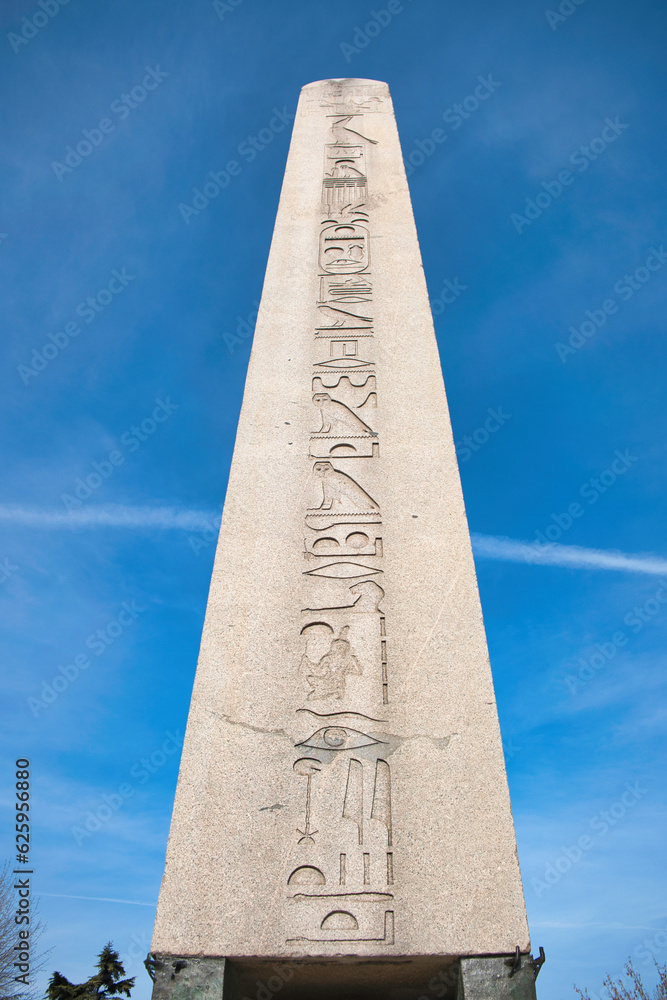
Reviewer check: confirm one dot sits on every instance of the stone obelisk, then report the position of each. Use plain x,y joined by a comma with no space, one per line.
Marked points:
342,823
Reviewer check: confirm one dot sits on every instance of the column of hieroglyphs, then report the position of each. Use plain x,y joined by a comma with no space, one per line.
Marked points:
346,661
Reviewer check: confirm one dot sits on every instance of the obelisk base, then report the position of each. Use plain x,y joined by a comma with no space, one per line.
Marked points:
483,978
182,978
498,978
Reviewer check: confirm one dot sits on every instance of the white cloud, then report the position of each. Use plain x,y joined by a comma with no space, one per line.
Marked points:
109,515
570,556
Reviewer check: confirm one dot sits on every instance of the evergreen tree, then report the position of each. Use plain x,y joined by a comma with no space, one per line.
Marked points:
60,988
106,984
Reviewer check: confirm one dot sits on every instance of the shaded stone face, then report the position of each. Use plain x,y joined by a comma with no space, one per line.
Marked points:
342,800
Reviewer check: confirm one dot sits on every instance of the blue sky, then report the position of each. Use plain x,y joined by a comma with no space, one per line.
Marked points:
574,452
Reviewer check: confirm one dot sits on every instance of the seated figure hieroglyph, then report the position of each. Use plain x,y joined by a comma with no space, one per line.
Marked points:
326,678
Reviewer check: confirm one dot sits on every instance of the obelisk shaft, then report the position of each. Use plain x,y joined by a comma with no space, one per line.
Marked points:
342,790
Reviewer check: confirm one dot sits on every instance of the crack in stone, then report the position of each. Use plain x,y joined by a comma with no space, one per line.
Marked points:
440,742
254,729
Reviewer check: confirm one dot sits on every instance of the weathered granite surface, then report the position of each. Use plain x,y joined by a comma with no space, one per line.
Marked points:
342,792
491,979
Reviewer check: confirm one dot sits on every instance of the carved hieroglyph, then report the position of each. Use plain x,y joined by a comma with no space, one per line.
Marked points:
342,789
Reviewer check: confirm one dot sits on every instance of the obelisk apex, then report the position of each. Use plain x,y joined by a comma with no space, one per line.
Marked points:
342,823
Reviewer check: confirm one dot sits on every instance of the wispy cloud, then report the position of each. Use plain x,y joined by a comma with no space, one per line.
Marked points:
571,556
177,518
108,515
608,927
96,899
